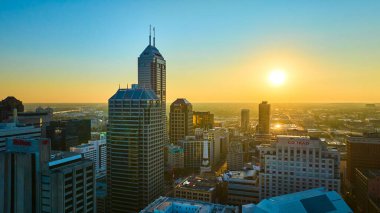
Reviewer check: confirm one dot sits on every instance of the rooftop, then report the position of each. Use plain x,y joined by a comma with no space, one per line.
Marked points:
59,157
198,183
134,94
179,205
310,201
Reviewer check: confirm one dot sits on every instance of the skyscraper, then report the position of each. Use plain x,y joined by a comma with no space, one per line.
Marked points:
135,141
244,120
204,120
264,118
152,71
180,120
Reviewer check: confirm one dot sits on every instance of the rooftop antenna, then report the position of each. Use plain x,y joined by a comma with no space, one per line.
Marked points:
127,86
119,85
154,36
150,34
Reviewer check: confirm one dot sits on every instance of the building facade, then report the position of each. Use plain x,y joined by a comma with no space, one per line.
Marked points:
242,187
95,150
12,130
203,120
180,120
297,163
135,143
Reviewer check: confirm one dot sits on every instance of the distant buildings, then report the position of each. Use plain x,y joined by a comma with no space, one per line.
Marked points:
179,205
197,188
313,200
37,180
242,187
296,163
367,190
180,120
244,123
264,118
362,152
68,133
95,150
135,141
204,120
219,139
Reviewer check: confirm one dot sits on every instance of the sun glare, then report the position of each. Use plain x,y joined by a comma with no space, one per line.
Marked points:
277,77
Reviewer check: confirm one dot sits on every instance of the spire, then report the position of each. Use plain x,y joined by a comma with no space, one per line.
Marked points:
150,34
154,36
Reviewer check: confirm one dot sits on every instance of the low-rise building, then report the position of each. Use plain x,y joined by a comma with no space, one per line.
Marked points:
179,205
197,188
242,187
313,200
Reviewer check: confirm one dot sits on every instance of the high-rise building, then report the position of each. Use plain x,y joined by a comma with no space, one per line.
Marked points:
362,152
152,71
34,179
95,150
135,144
235,156
297,163
313,200
68,133
180,120
244,124
204,120
264,118
218,138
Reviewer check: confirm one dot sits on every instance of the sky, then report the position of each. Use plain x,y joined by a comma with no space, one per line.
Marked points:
216,51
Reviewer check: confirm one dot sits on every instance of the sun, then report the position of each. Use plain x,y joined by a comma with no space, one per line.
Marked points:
277,77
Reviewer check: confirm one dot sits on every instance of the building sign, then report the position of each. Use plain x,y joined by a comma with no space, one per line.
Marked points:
20,142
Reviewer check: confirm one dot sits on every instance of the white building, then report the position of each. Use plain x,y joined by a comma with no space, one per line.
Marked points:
12,130
218,138
95,150
297,163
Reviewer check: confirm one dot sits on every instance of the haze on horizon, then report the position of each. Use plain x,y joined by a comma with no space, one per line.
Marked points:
216,51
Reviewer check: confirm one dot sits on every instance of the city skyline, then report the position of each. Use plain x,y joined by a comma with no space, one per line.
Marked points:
79,52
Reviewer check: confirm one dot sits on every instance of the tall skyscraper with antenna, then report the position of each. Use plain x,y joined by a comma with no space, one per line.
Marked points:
152,71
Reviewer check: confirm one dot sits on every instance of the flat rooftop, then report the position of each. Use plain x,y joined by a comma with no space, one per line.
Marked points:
171,205
198,183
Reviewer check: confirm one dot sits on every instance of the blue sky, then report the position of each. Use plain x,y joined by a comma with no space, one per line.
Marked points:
81,44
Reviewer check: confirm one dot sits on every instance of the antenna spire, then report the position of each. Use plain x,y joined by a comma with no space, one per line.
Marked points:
119,85
150,34
154,36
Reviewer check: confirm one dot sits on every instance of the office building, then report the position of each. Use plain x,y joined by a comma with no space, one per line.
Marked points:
180,120
175,158
38,180
242,187
219,140
362,152
313,200
244,123
7,106
264,118
95,150
179,205
152,72
366,191
193,151
297,163
203,120
235,156
101,196
68,133
197,188
135,142
12,130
